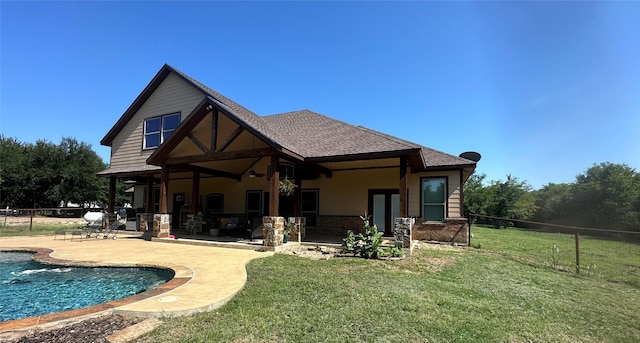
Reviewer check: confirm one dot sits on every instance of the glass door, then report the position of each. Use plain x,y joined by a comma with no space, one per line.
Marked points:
384,207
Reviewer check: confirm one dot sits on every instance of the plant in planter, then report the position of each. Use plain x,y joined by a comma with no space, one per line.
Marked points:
287,187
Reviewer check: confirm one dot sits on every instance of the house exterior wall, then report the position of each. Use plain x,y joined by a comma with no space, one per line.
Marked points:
172,95
345,194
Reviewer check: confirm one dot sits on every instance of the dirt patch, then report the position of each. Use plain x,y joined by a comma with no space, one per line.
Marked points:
91,330
314,253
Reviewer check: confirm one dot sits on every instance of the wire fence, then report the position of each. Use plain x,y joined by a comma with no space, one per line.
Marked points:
34,217
613,254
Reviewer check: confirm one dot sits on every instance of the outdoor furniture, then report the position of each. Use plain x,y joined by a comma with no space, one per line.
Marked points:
79,233
60,232
255,231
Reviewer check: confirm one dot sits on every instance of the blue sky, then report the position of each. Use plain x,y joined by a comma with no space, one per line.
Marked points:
543,90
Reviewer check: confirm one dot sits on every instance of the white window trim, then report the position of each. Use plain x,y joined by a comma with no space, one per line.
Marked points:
161,132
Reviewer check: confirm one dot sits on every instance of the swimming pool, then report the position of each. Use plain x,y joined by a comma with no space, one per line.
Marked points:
29,288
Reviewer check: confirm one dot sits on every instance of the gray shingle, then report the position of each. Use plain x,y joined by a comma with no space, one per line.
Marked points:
316,135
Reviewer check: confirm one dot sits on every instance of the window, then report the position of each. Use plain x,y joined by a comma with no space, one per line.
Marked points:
214,203
158,129
286,171
434,198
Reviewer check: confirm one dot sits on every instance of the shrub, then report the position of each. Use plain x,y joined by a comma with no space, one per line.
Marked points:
367,244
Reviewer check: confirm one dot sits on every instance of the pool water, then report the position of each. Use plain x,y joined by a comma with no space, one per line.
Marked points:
29,288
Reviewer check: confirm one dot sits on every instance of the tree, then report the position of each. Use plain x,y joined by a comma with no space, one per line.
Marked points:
477,198
512,199
78,182
554,203
47,175
607,196
509,199
13,161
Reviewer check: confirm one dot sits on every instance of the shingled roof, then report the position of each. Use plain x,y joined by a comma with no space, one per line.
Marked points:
316,136
312,136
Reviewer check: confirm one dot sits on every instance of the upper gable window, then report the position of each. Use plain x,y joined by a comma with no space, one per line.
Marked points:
158,129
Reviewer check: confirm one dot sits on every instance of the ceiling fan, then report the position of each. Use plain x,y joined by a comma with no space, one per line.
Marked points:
252,173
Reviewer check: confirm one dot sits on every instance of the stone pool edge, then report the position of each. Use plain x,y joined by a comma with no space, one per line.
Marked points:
182,275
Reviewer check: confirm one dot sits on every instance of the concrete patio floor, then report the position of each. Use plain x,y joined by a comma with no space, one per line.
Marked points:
206,277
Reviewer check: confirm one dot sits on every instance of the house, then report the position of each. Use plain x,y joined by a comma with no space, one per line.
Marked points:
188,149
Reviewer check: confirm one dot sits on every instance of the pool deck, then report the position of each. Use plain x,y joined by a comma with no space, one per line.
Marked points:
206,277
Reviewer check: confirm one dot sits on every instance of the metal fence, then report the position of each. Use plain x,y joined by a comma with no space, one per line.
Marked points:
610,253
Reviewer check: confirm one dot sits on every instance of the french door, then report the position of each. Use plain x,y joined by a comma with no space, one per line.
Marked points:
384,207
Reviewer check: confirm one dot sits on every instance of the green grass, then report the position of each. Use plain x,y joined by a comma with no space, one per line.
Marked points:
615,261
36,230
503,292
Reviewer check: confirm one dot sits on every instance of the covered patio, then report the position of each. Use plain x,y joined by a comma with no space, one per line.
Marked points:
199,161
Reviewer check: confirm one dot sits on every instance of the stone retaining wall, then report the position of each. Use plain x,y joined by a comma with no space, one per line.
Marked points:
402,234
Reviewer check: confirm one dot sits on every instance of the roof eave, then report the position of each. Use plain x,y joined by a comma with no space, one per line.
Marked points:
362,156
143,97
209,104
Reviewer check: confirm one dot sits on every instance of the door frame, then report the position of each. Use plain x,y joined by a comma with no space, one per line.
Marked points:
387,192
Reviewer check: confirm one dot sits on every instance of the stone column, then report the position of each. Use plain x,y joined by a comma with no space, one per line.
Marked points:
142,221
161,225
298,231
402,234
272,231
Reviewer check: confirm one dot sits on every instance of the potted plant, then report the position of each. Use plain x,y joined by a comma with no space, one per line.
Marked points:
287,187
214,230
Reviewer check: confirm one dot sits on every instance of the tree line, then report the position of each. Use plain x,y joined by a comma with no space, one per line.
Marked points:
44,174
605,196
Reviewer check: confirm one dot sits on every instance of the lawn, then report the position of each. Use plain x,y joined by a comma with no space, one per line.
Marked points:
36,229
507,291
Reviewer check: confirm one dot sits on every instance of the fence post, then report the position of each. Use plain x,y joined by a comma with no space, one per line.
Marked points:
31,221
577,251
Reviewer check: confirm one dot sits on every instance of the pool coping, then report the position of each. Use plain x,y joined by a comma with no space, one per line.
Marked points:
43,255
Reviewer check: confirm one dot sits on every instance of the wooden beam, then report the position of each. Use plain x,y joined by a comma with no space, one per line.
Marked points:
403,187
220,156
274,187
164,190
214,130
148,206
232,137
197,142
210,171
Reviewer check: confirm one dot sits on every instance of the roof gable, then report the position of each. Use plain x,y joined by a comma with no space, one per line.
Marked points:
306,134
